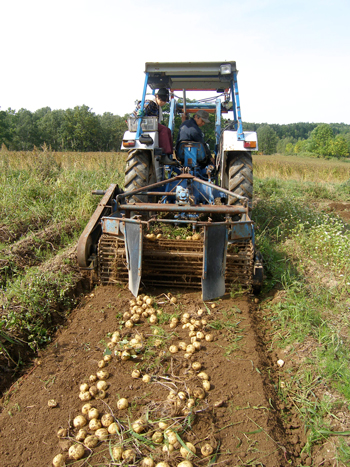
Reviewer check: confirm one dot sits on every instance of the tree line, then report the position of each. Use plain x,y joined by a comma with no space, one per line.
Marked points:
80,129
316,139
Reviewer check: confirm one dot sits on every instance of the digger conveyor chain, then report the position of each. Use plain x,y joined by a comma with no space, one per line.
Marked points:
172,263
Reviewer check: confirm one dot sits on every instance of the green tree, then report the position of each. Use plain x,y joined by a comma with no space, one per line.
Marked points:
112,128
50,129
285,145
339,147
320,140
267,139
81,129
5,135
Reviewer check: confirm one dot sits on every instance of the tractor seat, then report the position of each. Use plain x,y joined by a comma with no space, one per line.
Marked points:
191,153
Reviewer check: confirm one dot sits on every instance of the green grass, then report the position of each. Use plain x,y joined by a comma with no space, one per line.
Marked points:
306,252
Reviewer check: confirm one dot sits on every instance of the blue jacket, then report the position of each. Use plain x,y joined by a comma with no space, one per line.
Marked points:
190,131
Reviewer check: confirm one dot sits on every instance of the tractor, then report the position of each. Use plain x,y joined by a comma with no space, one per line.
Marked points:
135,235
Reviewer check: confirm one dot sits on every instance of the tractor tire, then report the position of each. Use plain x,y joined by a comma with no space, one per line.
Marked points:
240,177
138,173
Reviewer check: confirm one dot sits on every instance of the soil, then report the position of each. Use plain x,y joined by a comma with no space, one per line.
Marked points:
342,209
241,416
245,428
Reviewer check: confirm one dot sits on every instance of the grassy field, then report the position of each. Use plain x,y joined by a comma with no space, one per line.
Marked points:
45,202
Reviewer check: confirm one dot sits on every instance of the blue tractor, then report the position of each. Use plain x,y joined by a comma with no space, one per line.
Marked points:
209,194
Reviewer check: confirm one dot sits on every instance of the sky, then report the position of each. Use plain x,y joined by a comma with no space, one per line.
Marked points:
293,56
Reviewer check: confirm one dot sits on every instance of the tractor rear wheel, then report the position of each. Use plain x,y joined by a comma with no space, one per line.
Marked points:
240,177
138,173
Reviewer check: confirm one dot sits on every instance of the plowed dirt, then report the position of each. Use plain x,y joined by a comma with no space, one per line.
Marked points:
239,416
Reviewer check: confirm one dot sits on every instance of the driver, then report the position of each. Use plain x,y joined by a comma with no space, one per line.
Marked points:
190,130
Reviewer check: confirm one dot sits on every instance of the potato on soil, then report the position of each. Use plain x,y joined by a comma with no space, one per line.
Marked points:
139,425
102,434
91,441
62,433
85,409
122,403
107,419
79,421
76,451
128,455
189,452
59,460
113,429
185,464
157,437
85,396
147,462
81,435
117,453
95,424
93,413
207,450
102,374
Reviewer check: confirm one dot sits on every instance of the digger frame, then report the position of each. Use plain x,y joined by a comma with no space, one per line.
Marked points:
115,244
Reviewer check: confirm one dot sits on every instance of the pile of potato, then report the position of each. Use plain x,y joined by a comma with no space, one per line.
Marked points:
90,427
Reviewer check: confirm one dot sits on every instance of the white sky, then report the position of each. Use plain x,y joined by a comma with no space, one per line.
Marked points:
293,56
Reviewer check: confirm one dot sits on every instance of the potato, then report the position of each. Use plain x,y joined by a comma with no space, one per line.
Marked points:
62,433
84,387
128,455
139,425
91,441
107,419
113,429
95,424
117,453
185,464
157,437
85,409
147,462
102,374
76,452
122,403
102,385
81,435
189,452
79,421
102,434
93,413
207,450
59,460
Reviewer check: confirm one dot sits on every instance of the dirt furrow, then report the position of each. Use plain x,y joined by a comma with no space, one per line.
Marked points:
239,415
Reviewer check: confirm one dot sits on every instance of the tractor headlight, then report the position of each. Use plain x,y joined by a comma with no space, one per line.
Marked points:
226,69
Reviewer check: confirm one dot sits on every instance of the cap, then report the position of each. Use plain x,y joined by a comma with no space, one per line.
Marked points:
203,115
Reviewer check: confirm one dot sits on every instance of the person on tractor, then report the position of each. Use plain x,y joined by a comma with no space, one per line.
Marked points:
190,130
153,108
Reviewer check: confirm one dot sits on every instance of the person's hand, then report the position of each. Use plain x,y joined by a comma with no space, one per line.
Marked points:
183,117
140,113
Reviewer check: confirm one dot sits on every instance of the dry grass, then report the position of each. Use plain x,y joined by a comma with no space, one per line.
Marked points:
307,169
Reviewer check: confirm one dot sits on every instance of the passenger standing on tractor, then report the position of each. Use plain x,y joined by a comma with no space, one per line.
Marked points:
153,108
190,129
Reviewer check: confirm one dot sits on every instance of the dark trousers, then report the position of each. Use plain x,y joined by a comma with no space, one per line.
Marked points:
165,139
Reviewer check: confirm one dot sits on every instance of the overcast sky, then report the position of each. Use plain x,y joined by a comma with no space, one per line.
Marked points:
293,56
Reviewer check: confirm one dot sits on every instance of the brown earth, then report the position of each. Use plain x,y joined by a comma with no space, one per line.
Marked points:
342,209
245,429
242,416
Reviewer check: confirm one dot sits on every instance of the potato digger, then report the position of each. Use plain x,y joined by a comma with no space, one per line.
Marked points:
131,237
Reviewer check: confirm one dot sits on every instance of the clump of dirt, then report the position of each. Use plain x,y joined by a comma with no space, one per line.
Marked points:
342,209
238,417
30,250
15,351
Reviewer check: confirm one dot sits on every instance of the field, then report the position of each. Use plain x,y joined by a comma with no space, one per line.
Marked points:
277,363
